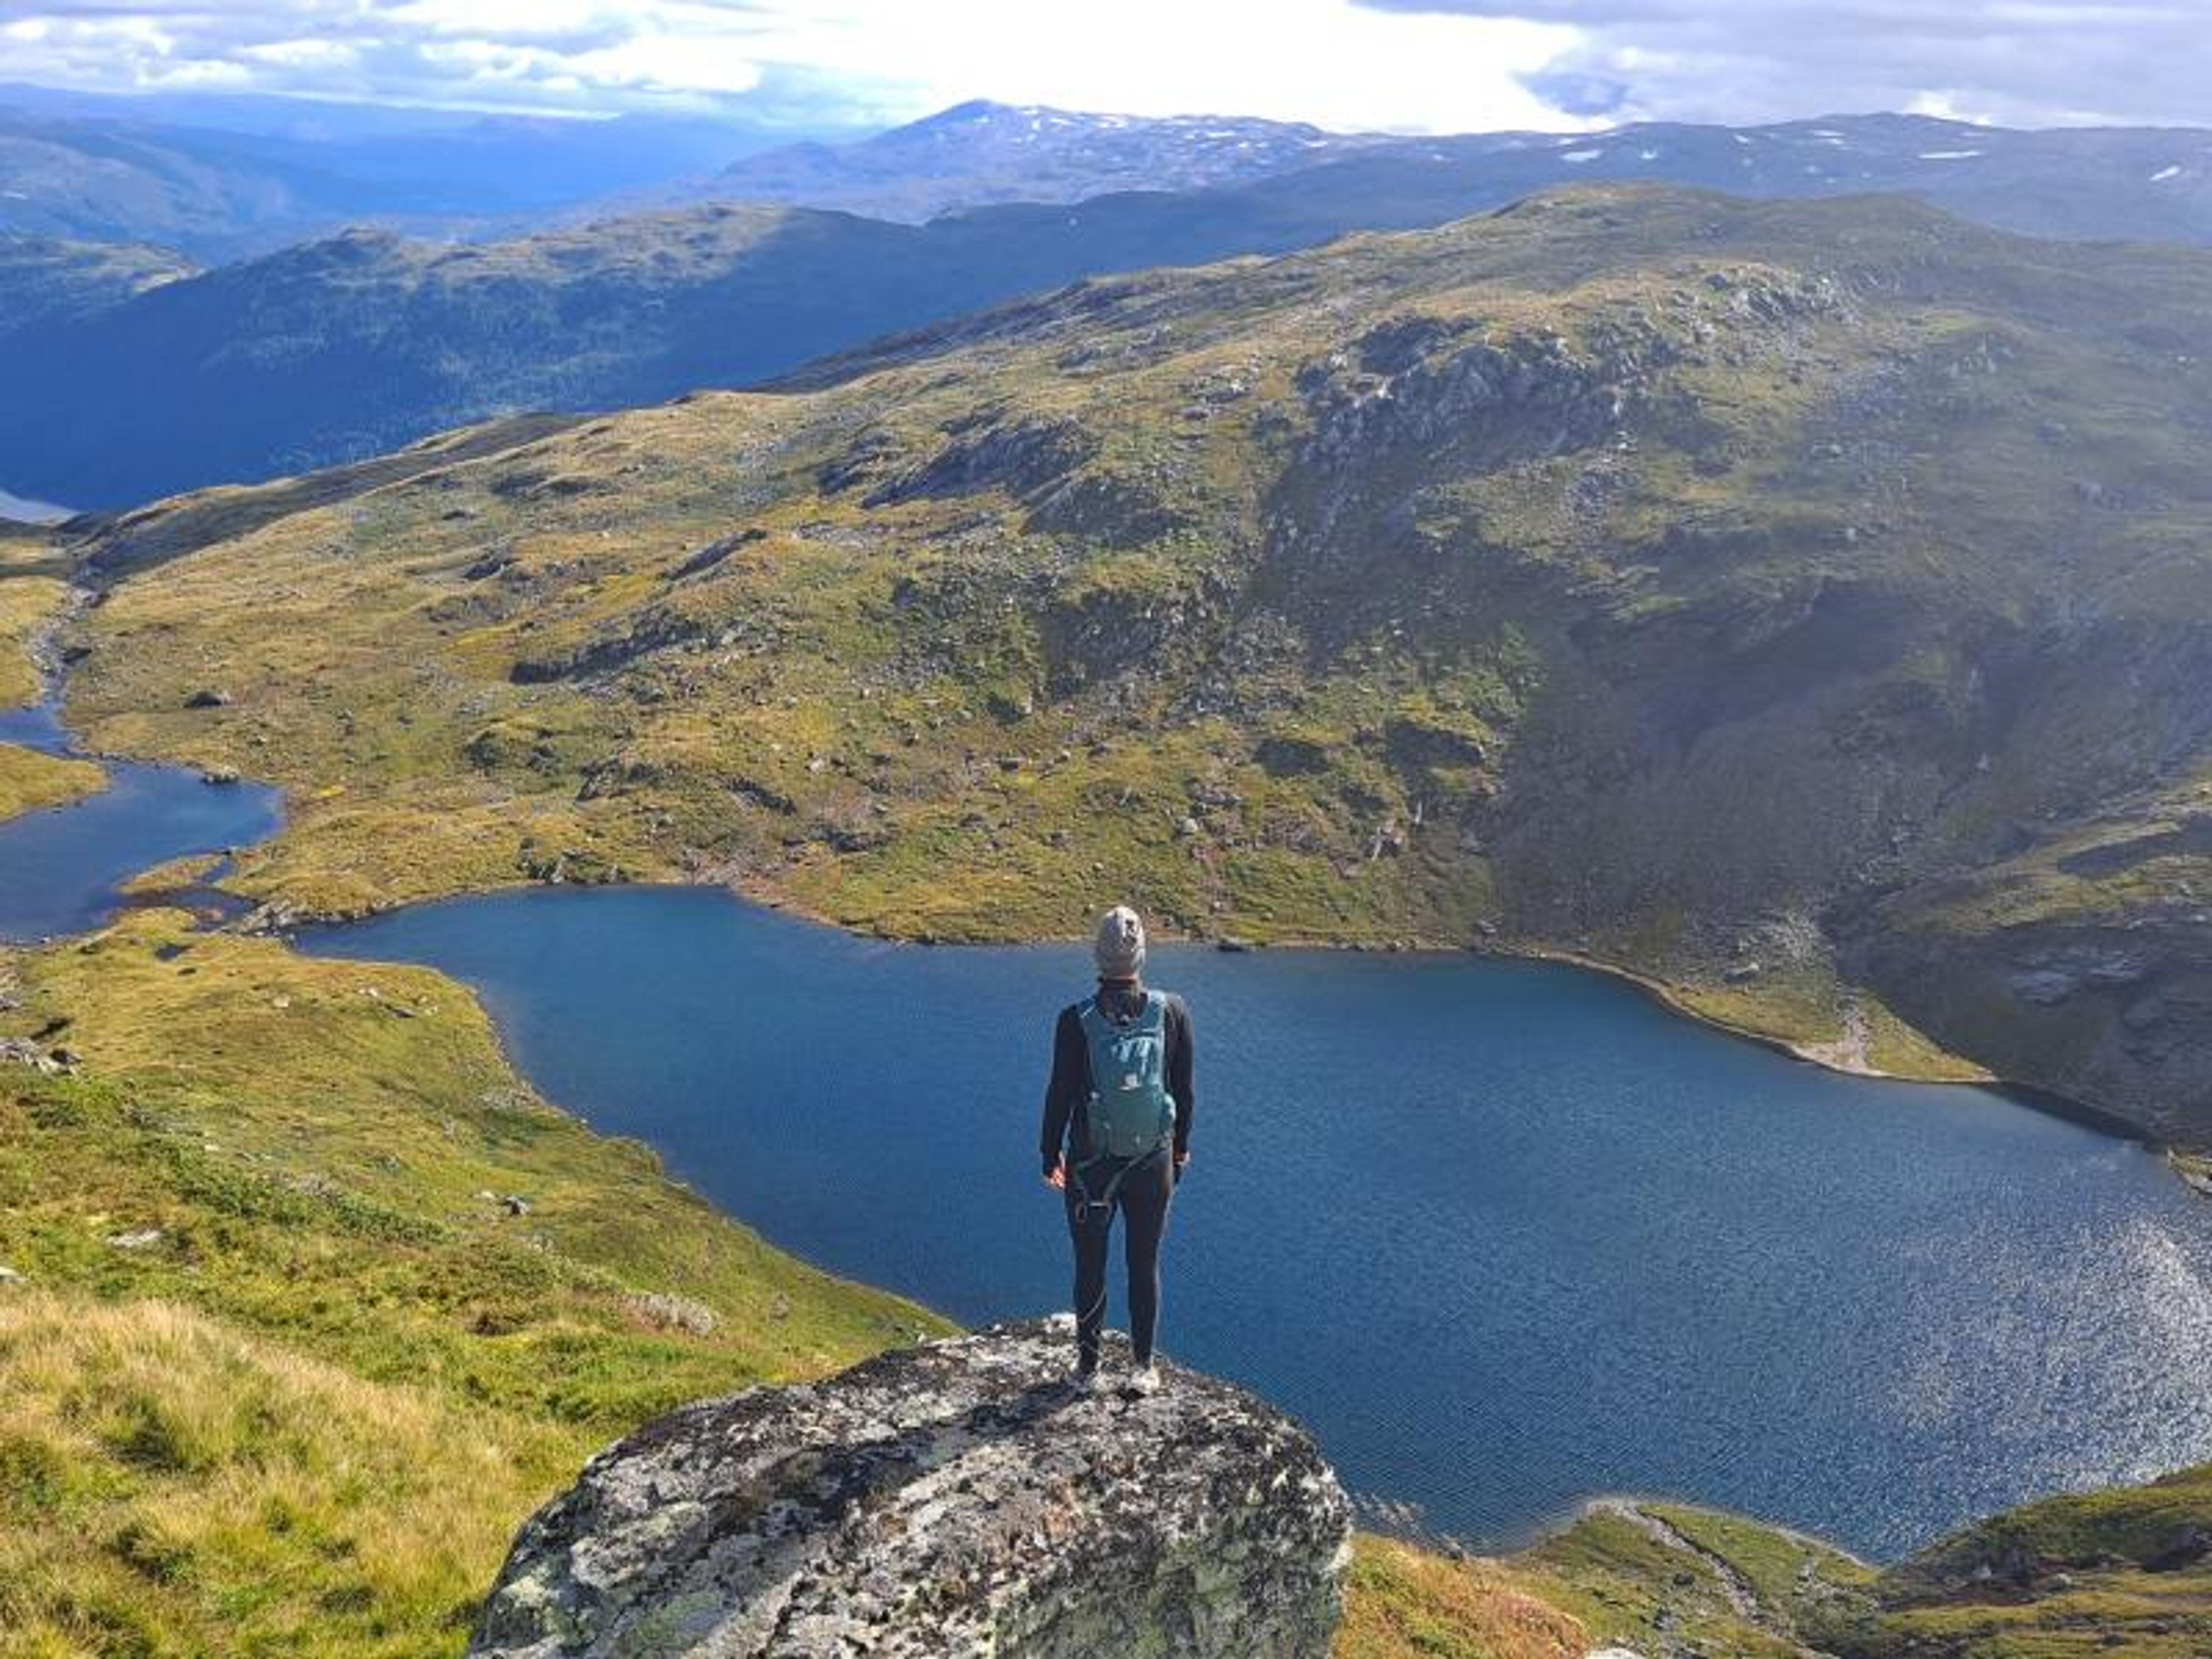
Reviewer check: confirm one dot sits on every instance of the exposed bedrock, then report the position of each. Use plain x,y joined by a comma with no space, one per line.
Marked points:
954,1498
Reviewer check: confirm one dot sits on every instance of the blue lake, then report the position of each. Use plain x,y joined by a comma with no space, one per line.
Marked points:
1506,1236
59,868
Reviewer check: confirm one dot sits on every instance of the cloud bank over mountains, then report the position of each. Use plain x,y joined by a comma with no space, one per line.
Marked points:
2019,62
1401,65
813,63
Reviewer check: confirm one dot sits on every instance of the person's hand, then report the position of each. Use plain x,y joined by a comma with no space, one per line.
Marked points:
1181,1163
1056,1176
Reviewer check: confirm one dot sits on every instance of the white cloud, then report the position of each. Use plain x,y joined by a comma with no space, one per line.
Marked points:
1327,61
2028,63
667,63
1324,61
1401,64
301,54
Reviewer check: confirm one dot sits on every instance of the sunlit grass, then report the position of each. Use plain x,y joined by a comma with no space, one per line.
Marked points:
304,1402
29,781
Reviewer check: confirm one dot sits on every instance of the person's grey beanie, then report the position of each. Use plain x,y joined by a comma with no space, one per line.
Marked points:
1119,947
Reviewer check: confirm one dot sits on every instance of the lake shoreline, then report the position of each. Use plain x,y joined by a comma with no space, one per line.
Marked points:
38,725
504,974
29,510
280,915
754,889
2033,1096
1666,993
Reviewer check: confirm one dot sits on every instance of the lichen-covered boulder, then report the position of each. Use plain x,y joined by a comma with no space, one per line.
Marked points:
955,1498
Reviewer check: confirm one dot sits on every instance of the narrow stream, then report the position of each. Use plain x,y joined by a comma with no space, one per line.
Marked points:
61,869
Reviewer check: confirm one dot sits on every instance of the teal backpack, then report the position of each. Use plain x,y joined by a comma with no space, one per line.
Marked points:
1130,1112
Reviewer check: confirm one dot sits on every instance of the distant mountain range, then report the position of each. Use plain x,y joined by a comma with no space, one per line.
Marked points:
223,178
333,350
983,153
2074,182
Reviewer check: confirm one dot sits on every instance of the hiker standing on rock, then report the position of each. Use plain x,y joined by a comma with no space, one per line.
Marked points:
1117,1134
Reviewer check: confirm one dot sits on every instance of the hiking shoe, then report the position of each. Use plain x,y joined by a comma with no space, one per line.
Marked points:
1145,1379
1084,1379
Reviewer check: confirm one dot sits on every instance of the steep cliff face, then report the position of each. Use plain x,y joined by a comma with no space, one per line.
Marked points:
954,1498
2087,970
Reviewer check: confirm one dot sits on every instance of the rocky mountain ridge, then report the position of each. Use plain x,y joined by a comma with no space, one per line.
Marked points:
983,153
352,345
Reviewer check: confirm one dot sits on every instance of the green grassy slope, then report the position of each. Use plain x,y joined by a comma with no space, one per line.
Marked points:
1654,1578
2126,1571
31,591
285,1369
1703,587
30,781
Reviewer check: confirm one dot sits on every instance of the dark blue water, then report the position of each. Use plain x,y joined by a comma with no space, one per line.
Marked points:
1505,1235
59,868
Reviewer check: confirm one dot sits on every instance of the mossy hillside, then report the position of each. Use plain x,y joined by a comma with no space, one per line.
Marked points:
2128,1570
1643,575
32,592
311,1101
1668,1576
330,1367
1646,1577
30,781
1797,998
2082,963
2123,1570
26,603
772,760
1403,1602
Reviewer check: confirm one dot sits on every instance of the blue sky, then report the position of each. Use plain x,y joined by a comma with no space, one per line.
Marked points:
1433,66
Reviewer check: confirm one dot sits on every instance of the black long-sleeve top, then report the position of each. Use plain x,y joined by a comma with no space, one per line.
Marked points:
1064,1097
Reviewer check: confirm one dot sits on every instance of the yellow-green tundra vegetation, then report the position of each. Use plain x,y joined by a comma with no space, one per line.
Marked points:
317,1301
31,589
29,780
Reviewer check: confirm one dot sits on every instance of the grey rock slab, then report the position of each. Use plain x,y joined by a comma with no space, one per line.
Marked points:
952,1498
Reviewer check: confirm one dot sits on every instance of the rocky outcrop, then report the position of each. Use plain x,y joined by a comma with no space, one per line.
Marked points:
955,1498
613,648
1022,457
2114,1015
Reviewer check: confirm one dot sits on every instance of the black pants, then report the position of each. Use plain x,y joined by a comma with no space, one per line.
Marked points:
1142,1196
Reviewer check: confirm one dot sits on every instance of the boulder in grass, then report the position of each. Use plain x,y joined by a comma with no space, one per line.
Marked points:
953,1499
